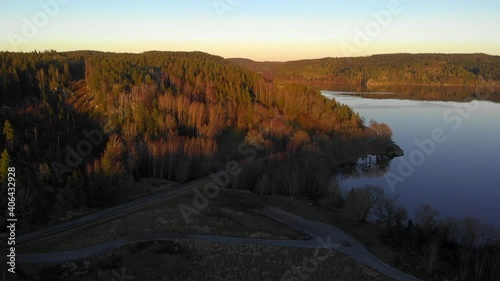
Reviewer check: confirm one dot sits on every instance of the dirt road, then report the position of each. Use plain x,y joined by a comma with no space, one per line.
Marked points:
107,213
322,236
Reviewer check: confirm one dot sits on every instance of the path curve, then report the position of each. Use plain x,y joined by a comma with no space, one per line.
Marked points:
323,236
107,213
320,231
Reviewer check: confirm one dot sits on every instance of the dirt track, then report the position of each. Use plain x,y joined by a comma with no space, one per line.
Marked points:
323,236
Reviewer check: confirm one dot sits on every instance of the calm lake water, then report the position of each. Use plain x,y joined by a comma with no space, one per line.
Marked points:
460,176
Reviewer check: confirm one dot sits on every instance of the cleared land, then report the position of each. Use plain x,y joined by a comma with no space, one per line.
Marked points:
232,213
225,215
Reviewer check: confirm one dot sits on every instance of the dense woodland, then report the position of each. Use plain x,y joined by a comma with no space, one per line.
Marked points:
384,72
79,126
484,92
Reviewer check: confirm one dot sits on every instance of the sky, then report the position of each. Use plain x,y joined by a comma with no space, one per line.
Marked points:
277,30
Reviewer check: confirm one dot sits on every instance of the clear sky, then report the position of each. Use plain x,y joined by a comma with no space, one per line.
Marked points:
256,29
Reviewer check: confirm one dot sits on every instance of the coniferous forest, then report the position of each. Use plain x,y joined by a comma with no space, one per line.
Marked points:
80,126
449,77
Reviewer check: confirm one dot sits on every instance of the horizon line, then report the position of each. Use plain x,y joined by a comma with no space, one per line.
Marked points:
246,58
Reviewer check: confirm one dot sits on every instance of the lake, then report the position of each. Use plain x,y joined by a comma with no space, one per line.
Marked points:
452,154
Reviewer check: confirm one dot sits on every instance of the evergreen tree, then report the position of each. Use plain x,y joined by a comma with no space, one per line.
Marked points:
8,133
4,165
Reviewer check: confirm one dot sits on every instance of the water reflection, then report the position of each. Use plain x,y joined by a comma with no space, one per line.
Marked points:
460,178
482,92
369,166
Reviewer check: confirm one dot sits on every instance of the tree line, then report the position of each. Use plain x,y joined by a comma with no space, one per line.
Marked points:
384,70
423,244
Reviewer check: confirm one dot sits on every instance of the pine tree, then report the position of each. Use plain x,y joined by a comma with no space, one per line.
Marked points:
4,165
112,159
8,133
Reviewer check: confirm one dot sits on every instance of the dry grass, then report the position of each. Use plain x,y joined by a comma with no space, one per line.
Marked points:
185,260
223,216
231,213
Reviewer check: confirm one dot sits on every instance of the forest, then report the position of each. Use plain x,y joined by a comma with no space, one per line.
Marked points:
388,72
81,126
484,92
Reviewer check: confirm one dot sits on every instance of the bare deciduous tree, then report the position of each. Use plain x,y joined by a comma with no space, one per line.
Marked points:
452,226
480,266
426,216
262,185
487,235
470,231
360,201
388,212
464,258
132,159
431,257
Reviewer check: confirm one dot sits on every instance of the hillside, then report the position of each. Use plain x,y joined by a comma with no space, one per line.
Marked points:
382,70
82,125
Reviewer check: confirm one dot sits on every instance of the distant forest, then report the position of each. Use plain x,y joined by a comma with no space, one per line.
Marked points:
471,76
81,126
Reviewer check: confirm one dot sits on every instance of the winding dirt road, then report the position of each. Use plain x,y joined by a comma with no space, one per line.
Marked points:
345,243
107,213
322,235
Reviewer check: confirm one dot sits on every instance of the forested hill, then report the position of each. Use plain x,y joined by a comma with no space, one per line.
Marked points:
391,69
175,116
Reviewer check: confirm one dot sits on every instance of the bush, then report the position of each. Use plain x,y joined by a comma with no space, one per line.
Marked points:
360,202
